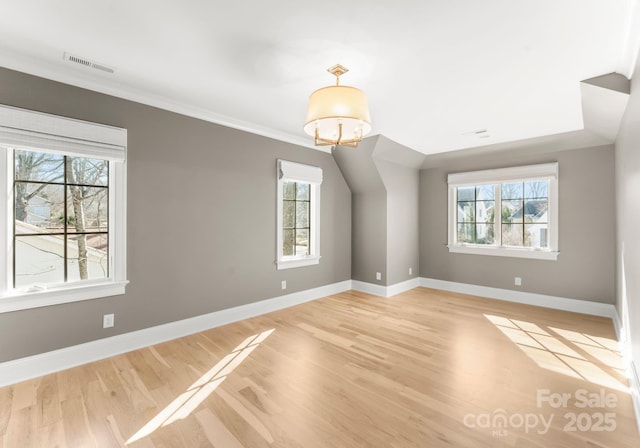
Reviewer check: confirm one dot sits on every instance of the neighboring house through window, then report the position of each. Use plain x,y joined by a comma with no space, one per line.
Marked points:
509,212
62,231
61,226
298,222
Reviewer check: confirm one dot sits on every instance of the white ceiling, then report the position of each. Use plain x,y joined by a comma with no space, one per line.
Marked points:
434,71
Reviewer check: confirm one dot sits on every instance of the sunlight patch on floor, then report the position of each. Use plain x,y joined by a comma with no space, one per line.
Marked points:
559,350
187,402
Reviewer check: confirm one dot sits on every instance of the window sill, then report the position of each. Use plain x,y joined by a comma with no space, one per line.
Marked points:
23,300
297,262
533,254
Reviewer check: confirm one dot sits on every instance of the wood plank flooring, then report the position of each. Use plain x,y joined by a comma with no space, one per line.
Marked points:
423,369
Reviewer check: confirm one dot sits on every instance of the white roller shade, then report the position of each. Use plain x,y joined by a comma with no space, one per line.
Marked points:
298,172
36,131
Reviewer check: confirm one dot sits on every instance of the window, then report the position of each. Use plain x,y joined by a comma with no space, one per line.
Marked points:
62,227
60,209
298,226
509,212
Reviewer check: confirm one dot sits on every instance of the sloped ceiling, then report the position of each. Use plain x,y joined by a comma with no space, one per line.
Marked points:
436,72
604,100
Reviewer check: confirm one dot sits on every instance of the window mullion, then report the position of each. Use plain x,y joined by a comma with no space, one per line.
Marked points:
65,221
475,214
13,217
309,222
454,215
295,220
498,214
524,237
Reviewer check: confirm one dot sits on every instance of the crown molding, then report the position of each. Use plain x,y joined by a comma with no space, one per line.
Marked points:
77,78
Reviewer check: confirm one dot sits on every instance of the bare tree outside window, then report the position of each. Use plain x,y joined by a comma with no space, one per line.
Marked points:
34,166
525,213
296,221
61,218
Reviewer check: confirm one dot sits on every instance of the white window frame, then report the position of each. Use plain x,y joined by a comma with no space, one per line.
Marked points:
297,172
548,171
35,131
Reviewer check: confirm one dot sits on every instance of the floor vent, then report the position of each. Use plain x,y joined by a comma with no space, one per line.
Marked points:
88,63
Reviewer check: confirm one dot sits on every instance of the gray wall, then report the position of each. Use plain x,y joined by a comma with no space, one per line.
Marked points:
201,220
402,185
369,211
585,267
201,205
628,221
383,177
369,236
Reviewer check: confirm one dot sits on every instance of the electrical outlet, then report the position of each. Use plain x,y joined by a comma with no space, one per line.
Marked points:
378,276
284,284
518,281
108,320
410,271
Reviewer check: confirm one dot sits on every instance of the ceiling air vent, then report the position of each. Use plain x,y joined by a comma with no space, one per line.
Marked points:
88,63
480,133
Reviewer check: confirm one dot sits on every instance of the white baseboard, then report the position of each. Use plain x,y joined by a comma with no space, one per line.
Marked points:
399,288
22,369
369,288
528,298
617,326
630,366
558,303
634,384
385,291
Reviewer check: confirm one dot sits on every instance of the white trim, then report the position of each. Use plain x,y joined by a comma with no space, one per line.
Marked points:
6,211
18,370
25,64
20,299
298,172
385,291
37,131
401,287
548,171
369,288
617,326
500,175
528,298
634,385
71,292
297,262
513,252
630,367
22,369
557,303
118,221
312,175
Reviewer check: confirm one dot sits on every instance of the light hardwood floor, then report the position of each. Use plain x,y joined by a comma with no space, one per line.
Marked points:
423,369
